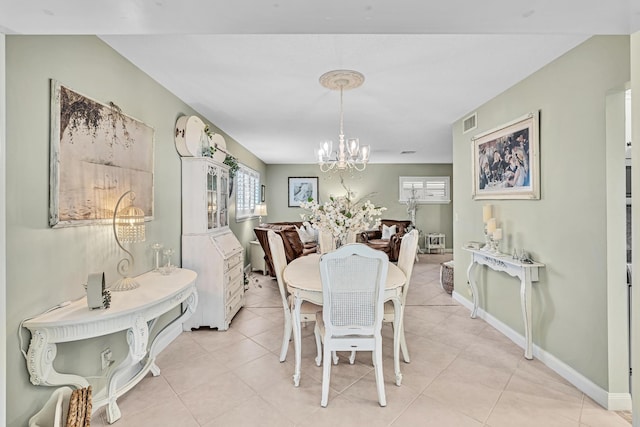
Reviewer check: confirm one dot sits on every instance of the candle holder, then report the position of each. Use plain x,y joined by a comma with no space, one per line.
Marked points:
156,247
487,240
495,246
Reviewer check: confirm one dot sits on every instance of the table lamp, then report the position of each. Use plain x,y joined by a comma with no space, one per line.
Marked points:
261,210
128,227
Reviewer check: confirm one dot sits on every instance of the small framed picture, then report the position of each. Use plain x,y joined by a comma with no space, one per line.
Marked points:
262,191
302,189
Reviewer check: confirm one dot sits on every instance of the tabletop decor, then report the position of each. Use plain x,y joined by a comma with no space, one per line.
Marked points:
343,215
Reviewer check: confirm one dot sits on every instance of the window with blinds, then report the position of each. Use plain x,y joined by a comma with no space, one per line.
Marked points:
425,189
248,192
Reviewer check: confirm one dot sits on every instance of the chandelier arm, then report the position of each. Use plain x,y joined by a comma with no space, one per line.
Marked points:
355,166
326,167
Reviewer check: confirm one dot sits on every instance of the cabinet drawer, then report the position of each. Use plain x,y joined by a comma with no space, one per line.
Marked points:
233,275
233,289
234,305
233,261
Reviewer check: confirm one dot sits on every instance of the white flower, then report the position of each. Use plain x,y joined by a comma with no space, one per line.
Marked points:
341,215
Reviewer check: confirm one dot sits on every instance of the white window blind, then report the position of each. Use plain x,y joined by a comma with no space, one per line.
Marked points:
425,189
248,192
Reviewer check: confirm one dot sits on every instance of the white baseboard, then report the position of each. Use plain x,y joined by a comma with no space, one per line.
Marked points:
610,401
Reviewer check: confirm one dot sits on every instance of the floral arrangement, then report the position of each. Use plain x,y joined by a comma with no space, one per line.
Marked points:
342,215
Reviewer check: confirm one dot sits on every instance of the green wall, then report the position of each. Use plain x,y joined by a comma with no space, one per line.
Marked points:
47,266
635,129
567,228
379,179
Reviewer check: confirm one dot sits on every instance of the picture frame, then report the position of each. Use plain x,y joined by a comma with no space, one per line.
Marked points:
506,161
301,189
97,154
262,193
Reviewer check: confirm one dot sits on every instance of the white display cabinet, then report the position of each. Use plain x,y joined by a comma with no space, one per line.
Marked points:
208,245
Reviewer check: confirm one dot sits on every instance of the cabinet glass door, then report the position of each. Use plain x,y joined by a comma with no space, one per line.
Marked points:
212,199
224,211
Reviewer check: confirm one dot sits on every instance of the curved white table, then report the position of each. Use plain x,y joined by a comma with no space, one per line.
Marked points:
302,277
135,311
526,272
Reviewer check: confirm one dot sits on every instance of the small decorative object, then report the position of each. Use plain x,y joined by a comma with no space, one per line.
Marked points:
489,229
506,161
342,216
168,267
128,227
96,290
156,247
496,237
487,214
95,286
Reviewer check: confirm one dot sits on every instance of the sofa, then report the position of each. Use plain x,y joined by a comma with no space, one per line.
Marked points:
294,247
391,244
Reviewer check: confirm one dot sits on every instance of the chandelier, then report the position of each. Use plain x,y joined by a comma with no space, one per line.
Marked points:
349,155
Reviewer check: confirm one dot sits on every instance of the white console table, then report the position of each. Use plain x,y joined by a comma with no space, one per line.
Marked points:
135,311
527,273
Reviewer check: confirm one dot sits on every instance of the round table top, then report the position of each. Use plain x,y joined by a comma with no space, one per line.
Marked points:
304,273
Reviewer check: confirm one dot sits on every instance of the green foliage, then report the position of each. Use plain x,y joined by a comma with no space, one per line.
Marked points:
232,162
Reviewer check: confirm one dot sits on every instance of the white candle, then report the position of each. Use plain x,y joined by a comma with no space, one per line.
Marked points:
491,225
486,213
497,235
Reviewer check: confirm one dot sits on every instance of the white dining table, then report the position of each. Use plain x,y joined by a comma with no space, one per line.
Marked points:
302,277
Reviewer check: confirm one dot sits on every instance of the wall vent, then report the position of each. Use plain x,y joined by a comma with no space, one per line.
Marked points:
470,123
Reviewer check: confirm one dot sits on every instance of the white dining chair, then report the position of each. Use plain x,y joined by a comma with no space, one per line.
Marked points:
406,260
308,310
353,282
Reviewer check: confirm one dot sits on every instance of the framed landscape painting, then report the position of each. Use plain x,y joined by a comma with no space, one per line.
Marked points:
506,161
97,154
301,189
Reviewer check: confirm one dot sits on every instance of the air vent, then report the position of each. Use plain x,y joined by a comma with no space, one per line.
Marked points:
470,123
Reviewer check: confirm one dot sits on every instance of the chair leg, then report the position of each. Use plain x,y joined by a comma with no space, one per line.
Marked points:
326,376
286,337
403,347
352,358
316,332
334,355
377,357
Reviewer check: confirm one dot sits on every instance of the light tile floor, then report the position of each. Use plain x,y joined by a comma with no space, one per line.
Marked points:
462,373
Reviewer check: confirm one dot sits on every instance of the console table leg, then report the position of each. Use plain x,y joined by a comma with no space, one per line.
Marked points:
40,357
525,302
473,286
137,338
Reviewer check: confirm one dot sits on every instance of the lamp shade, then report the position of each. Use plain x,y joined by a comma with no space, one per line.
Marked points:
130,225
261,209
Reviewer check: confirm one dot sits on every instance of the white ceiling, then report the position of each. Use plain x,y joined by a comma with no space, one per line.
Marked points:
252,67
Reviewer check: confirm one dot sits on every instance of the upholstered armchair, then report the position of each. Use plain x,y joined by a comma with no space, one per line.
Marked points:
389,244
294,247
